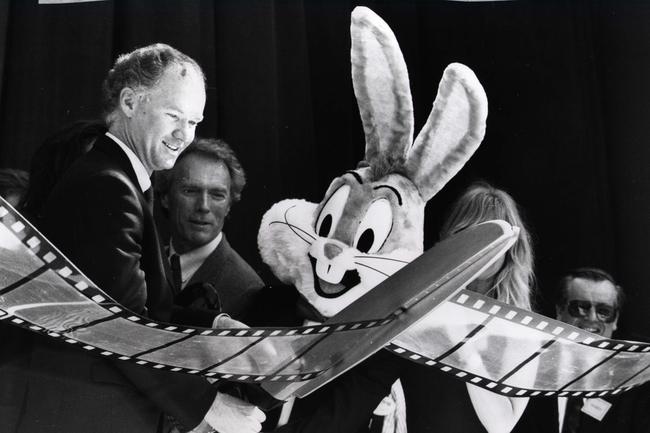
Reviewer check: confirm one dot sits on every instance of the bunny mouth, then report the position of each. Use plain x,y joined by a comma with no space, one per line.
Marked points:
328,290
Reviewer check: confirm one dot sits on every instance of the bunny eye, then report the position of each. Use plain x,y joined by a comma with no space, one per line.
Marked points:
331,212
375,227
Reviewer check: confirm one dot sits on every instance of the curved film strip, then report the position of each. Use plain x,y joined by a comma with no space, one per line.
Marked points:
41,290
520,354
44,292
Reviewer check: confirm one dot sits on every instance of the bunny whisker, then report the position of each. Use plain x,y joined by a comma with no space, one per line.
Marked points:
297,231
286,220
382,258
372,269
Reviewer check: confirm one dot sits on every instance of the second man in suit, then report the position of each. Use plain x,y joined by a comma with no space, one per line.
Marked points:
197,195
590,299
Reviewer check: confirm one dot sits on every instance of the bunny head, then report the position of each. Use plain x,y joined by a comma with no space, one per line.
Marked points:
370,221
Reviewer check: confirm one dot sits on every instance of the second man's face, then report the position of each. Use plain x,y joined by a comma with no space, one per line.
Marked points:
198,201
590,305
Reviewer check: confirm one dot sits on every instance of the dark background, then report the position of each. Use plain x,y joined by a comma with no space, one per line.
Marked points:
567,82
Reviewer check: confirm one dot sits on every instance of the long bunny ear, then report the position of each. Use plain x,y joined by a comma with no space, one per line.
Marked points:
452,133
381,86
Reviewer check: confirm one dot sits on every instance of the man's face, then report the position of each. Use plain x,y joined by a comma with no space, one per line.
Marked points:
162,120
590,305
198,201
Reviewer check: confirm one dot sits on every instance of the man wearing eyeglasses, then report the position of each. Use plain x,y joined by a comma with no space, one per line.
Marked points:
590,299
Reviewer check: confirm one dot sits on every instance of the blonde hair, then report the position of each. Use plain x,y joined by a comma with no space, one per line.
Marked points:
482,202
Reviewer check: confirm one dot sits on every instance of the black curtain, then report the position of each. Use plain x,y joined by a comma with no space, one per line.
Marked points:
567,83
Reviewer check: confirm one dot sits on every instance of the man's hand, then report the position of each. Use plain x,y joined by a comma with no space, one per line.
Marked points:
224,321
231,415
261,356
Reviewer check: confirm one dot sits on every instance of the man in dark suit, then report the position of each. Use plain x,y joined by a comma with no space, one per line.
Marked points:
99,215
590,299
197,195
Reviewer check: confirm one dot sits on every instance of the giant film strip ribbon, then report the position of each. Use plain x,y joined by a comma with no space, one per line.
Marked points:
43,291
519,353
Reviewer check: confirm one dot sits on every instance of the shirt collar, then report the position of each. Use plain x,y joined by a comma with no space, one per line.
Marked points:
144,180
192,260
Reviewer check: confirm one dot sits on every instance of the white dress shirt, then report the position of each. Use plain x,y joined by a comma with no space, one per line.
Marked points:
192,260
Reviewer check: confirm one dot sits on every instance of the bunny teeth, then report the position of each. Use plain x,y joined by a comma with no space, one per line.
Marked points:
329,273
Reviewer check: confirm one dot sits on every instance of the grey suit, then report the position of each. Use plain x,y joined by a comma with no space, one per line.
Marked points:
235,281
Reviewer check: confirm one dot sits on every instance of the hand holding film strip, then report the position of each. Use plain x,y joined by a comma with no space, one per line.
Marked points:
521,353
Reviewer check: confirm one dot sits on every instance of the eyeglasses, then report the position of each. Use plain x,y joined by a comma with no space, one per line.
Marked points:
581,309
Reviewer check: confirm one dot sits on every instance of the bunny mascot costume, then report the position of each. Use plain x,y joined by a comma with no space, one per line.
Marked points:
370,221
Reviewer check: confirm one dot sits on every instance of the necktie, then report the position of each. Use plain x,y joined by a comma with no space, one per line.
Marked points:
572,415
175,262
148,195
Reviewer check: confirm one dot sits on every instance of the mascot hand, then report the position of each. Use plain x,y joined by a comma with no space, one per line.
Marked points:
229,414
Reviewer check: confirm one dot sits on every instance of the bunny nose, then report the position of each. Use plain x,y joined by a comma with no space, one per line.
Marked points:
332,250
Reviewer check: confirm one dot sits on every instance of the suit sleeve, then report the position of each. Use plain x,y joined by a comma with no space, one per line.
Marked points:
105,241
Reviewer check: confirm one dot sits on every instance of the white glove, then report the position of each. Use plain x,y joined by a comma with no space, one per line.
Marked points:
229,414
204,427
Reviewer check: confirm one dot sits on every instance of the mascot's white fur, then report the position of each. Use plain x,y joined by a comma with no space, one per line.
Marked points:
370,221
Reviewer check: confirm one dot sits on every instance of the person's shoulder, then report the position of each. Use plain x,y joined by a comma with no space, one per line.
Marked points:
100,179
95,183
105,165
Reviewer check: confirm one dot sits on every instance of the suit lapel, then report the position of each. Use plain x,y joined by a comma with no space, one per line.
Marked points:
109,147
211,269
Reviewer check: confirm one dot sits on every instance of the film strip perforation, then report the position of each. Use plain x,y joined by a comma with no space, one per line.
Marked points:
532,320
187,333
496,386
17,226
40,247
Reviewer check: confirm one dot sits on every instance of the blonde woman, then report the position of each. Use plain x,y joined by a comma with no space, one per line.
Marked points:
437,402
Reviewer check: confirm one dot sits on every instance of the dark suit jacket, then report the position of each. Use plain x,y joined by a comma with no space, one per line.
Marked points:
100,219
345,405
629,413
235,281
